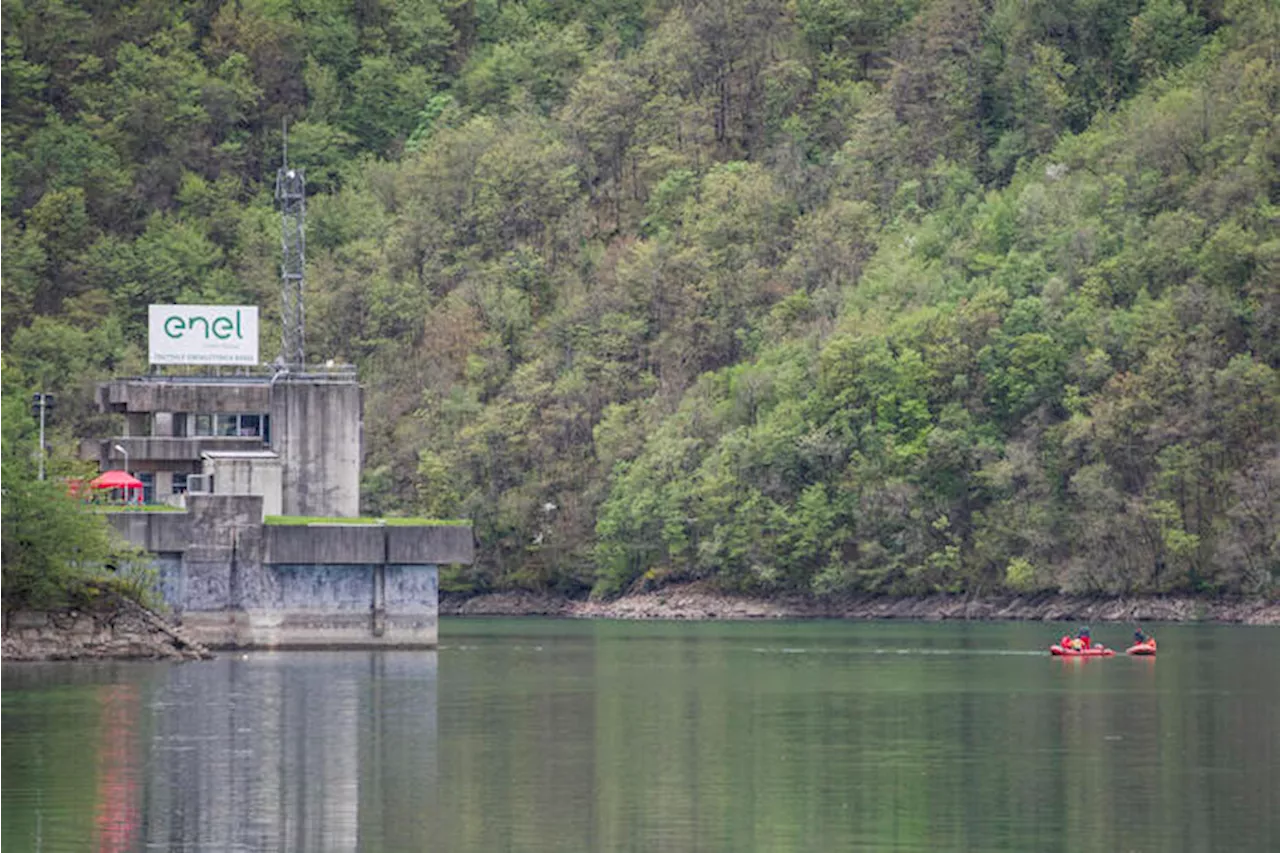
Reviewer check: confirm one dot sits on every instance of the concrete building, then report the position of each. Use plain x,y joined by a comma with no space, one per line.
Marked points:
233,582
232,450
293,438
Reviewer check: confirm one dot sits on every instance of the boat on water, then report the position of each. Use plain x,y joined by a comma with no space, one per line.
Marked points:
1146,647
1058,650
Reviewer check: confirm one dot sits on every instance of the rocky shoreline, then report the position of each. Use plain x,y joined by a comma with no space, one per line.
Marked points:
113,629
695,602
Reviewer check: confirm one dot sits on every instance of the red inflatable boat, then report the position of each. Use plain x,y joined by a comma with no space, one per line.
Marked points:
1091,652
1147,647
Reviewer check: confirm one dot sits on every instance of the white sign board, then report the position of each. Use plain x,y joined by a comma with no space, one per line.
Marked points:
203,334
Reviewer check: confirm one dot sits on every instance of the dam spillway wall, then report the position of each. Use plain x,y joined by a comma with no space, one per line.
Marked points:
234,582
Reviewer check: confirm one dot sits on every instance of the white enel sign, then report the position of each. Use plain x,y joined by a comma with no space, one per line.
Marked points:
203,334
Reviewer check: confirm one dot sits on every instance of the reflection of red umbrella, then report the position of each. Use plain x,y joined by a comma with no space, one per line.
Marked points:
120,480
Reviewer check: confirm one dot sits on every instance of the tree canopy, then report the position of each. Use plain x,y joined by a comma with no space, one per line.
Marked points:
789,295
56,551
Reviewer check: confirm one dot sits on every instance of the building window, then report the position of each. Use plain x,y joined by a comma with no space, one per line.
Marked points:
179,484
245,426
148,487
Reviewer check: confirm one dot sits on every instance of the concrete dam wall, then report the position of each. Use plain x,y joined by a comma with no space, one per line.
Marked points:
233,582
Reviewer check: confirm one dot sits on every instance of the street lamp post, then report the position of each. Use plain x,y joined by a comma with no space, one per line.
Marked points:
40,404
125,453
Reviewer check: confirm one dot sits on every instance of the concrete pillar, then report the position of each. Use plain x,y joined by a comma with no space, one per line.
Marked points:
316,429
163,486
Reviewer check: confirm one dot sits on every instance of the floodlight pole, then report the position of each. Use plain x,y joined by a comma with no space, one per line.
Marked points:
126,457
41,436
41,403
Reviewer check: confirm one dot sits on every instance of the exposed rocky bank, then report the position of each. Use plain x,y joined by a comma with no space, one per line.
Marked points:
693,601
113,628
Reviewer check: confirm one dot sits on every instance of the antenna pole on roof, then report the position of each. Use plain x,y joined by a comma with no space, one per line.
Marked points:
291,193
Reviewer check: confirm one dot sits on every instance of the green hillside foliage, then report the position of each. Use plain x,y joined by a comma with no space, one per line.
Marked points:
57,551
789,295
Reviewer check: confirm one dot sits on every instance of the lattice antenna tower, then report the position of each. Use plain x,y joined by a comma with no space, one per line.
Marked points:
291,193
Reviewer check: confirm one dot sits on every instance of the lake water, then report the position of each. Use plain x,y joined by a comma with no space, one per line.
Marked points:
543,735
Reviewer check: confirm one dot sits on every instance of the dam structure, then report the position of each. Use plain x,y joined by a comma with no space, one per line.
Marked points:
260,467
262,547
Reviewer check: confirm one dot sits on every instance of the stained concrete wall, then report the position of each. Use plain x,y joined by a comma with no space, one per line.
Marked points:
235,583
443,543
153,531
178,394
247,475
316,428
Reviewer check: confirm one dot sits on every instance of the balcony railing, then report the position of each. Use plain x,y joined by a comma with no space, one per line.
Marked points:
146,449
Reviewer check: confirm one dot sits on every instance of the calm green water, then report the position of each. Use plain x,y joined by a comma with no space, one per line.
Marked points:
530,735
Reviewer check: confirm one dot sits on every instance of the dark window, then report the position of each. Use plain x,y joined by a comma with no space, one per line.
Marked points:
250,425
179,484
148,487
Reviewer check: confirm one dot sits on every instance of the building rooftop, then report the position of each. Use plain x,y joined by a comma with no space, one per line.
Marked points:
241,454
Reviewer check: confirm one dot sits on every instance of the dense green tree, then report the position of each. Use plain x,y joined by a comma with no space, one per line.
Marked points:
53,544
898,295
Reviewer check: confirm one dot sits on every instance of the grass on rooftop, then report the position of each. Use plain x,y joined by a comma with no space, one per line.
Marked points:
96,507
303,520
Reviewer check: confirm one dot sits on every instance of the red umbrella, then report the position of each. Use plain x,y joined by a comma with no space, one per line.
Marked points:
115,480
133,488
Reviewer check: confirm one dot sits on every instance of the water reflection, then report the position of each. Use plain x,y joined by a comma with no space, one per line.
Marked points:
291,752
117,819
282,752
541,735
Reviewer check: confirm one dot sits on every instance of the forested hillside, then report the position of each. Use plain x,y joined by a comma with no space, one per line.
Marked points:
793,295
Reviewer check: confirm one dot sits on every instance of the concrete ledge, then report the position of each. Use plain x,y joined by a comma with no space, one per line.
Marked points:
438,544
163,449
349,544
343,545
233,394
153,531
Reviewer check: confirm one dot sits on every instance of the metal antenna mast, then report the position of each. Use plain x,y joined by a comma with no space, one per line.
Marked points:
291,193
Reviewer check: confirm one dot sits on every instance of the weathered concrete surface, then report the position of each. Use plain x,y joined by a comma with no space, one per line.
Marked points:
171,394
320,629
160,450
235,583
317,430
439,544
337,544
343,544
249,472
153,531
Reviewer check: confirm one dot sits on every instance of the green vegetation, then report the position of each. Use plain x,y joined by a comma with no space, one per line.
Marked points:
56,550
302,520
793,295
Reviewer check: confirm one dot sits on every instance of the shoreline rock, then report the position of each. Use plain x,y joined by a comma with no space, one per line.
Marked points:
118,629
696,602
